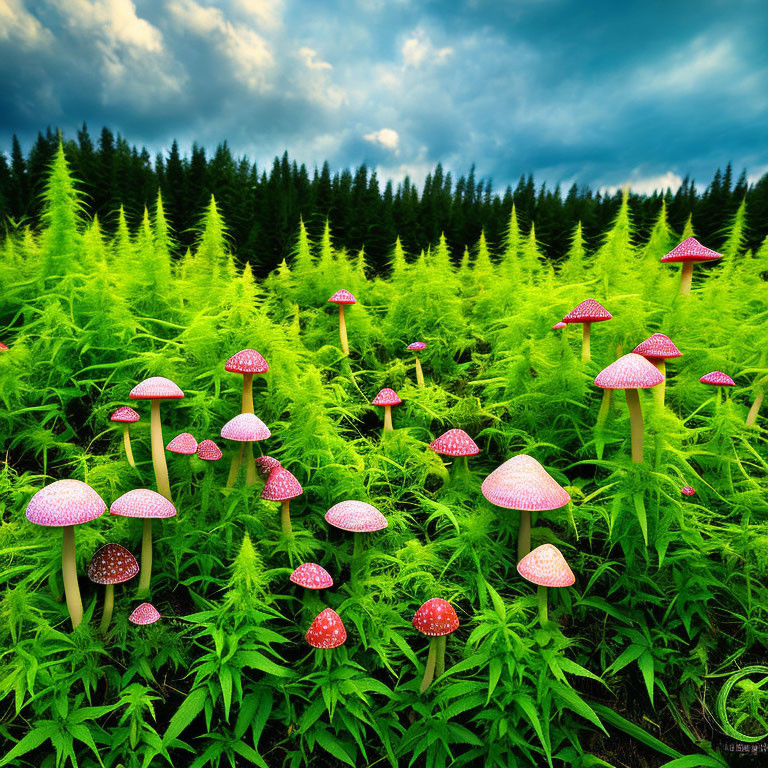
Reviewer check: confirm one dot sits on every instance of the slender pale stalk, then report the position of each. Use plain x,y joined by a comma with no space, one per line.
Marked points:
146,557
387,418
69,574
127,446
158,452
524,535
419,372
343,330
440,654
636,424
247,406
753,411
685,278
234,467
429,670
585,342
250,465
285,517
541,600
659,391
605,407
109,603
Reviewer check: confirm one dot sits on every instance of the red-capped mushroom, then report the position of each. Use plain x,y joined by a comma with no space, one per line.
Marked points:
357,517
586,313
312,576
207,450
718,379
110,565
558,326
417,346
126,416
266,464
4,347
342,298
686,490
65,504
387,398
456,443
546,567
689,252
282,486
436,619
657,349
327,630
184,444
146,613
245,428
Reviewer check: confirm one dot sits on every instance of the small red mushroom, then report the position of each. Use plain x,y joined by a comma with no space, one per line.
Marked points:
546,567
4,347
657,349
689,252
586,313
282,486
110,565
456,443
146,613
558,326
436,619
327,630
184,444
387,398
342,298
126,416
417,346
207,450
717,379
686,490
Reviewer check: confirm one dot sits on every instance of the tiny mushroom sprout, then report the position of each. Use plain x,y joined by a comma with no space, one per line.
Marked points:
630,373
546,567
686,490
146,613
185,444
657,349
65,504
358,517
689,252
586,313
265,465
343,298
387,398
207,450
417,346
110,565
436,619
326,631
522,483
156,389
282,486
126,416
558,326
149,506
456,443
247,362
246,429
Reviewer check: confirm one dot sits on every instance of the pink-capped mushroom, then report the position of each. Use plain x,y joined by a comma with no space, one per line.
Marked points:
458,444
417,346
586,313
657,349
688,253
312,576
343,298
558,326
247,362
717,379
326,631
357,517
282,486
146,613
245,428
436,619
184,444
546,567
126,416
111,564
266,464
386,399
686,490
207,450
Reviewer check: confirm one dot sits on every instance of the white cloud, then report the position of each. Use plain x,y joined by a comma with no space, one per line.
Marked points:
308,56
268,13
647,185
418,49
16,22
385,137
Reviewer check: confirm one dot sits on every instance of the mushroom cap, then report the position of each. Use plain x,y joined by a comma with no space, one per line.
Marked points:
146,613
207,450
343,297
112,564
156,388
245,428
125,415
4,347
143,503
266,464
65,502
455,442
659,346
717,379
546,567
312,576
327,630
246,361
436,618
522,483
558,326
589,311
183,443
631,371
356,516
686,490
281,485
690,250
387,396
417,346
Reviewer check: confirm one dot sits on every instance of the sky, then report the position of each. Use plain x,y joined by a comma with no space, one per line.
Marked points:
594,92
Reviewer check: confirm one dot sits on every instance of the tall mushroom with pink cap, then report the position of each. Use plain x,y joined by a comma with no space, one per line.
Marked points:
357,517
586,313
282,486
65,504
522,483
327,631
546,567
417,346
630,373
126,416
456,443
386,399
149,506
658,348
688,253
143,614
436,619
245,428
247,362
155,389
110,565
343,298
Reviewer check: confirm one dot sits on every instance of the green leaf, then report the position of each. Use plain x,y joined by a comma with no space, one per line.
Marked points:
190,708
574,702
331,744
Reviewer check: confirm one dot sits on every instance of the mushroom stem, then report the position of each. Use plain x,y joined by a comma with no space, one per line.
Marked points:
440,654
605,407
541,600
247,406
146,557
250,465
636,424
285,517
753,411
429,670
419,372
127,446
585,348
387,418
158,452
524,535
356,544
660,389
109,603
343,330
69,574
685,278
234,468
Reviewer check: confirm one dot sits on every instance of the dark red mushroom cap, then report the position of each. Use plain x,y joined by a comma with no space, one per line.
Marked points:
387,396
146,613
589,311
355,516
455,442
546,567
436,618
657,346
281,485
3,347
183,443
245,428
207,450
690,250
266,464
156,388
312,576
343,297
416,346
558,326
631,371
522,483
246,361
718,379
125,415
327,630
143,503
65,502
112,564
686,490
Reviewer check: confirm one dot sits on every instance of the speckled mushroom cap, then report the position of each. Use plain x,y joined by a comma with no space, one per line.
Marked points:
690,250
558,326
112,564
146,613
546,567
265,464
657,346
65,502
125,415
4,347
343,297
245,428
387,396
207,450
246,361
455,442
312,576
142,503
522,483
281,485
417,346
436,618
183,443
631,371
356,516
686,490
156,388
589,311
327,630
717,379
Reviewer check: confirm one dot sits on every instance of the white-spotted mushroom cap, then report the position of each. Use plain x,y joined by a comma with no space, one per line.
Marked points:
546,567
690,250
455,442
245,428
686,490
246,361
355,516
657,346
146,613
112,564
589,311
631,371
281,485
343,297
207,450
558,326
717,379
125,415
265,464
156,388
65,502
416,346
522,483
327,630
312,576
184,444
387,396
436,618
142,503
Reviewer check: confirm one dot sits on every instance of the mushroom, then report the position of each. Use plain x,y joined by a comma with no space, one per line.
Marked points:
149,506
546,567
417,346
689,252
341,298
522,483
265,465
146,613
357,517
718,379
456,443
686,490
313,578
207,450
630,373
4,347
245,428
436,619
755,409
657,349
586,313
65,504
126,416
558,326
326,631
282,486
387,398
156,389
110,565
184,444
